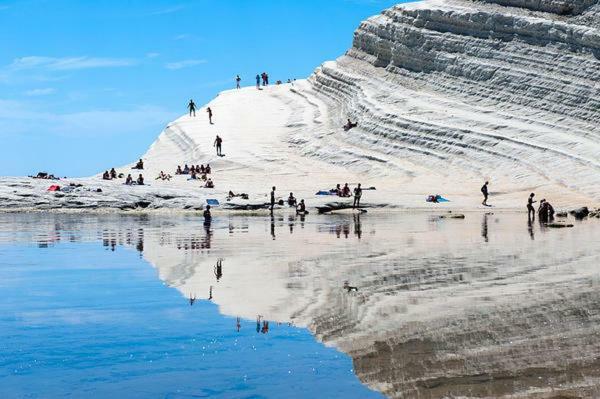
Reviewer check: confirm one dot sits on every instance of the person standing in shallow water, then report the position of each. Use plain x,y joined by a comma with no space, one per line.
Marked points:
530,208
218,142
357,195
272,199
484,191
192,108
207,215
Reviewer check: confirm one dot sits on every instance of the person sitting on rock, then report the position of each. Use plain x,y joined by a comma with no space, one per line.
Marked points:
207,170
202,170
140,180
186,169
139,165
163,176
349,125
193,173
545,212
209,184
179,171
291,200
106,175
346,191
113,173
301,207
129,180
337,190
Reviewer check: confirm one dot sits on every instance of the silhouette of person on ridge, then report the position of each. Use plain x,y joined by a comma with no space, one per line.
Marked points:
192,108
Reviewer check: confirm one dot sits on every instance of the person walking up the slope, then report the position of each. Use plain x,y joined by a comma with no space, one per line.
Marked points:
209,111
357,195
530,208
217,144
192,108
237,81
484,191
272,199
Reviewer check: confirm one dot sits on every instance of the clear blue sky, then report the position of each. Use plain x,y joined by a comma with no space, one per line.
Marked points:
86,85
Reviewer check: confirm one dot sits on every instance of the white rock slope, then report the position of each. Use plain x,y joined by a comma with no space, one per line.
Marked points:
447,94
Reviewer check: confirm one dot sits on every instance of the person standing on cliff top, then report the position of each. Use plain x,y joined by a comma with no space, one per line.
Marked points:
484,191
237,81
217,144
209,111
192,108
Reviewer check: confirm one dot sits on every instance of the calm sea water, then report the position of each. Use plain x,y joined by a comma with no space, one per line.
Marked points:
253,307
83,314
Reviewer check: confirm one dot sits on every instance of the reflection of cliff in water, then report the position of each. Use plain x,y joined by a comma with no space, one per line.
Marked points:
443,308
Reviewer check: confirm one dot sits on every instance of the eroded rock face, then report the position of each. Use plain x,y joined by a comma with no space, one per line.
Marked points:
561,7
504,88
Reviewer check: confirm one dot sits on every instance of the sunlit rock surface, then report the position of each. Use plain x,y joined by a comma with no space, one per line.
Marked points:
446,94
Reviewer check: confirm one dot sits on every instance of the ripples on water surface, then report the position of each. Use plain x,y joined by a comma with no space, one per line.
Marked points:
156,306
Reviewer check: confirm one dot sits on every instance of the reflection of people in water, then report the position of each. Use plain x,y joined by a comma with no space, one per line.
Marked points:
265,327
192,299
238,324
484,227
140,245
205,242
357,226
530,227
207,215
210,297
219,269
272,226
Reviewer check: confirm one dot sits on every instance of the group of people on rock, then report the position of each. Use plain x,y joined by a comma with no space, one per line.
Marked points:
545,211
112,175
45,175
341,191
109,175
291,201
192,109
264,77
130,182
197,173
300,206
198,170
